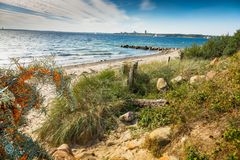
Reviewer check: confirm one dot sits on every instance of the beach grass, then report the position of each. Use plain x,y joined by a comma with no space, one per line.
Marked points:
99,100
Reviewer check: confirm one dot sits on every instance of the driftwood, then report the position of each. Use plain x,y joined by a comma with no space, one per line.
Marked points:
149,102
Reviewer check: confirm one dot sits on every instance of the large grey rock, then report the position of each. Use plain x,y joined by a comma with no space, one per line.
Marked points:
161,84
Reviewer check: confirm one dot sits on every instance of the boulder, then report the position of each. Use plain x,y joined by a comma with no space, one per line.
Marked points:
127,117
177,79
162,133
161,84
197,78
210,75
157,140
63,152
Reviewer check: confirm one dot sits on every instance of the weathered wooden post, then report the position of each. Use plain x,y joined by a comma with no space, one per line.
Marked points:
169,59
132,75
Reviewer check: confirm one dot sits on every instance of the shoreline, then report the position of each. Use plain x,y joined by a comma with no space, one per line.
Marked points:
117,63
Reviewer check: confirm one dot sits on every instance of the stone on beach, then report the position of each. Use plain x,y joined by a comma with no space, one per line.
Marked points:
161,84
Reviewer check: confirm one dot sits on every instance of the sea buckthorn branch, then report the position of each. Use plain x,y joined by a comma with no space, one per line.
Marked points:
19,95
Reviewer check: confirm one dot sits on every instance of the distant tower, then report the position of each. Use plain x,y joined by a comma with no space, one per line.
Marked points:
145,31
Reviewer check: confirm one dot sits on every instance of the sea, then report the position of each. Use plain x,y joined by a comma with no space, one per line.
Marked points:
77,48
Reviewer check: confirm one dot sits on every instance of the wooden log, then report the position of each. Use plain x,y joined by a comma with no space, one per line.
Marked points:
149,102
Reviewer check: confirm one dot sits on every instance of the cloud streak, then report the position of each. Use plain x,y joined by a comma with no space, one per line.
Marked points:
77,15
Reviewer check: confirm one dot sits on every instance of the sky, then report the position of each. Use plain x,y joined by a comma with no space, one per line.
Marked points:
212,17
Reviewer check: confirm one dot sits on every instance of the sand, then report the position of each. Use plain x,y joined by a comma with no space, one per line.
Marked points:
115,64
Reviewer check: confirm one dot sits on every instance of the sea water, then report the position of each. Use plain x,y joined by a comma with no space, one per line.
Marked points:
77,48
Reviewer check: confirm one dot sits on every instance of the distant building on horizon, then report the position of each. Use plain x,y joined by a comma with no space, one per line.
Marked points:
145,32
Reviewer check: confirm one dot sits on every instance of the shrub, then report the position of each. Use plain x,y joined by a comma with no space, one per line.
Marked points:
153,118
193,51
214,47
18,95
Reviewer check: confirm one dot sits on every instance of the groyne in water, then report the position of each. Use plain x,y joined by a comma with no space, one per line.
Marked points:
149,48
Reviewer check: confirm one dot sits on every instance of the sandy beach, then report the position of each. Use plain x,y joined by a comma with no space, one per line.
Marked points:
117,63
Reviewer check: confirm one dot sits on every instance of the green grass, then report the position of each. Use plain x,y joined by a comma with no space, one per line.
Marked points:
99,100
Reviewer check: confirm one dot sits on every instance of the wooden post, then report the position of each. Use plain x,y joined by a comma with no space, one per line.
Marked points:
169,58
132,75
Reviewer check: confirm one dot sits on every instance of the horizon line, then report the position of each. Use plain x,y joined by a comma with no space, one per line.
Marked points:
19,29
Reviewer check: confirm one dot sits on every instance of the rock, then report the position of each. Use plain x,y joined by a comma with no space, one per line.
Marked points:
160,133
177,79
157,139
197,78
210,75
127,117
62,155
63,152
161,84
214,62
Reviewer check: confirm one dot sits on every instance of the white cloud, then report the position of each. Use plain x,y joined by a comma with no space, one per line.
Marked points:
75,15
147,5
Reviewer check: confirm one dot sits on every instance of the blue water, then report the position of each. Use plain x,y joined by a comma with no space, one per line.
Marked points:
77,48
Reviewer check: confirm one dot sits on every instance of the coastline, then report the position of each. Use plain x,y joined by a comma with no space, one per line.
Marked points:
92,67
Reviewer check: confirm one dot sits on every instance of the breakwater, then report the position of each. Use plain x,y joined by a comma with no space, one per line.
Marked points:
149,48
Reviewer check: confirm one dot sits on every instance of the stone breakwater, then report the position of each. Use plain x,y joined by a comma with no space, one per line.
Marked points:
149,48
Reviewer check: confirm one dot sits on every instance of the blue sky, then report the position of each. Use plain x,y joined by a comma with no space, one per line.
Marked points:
158,16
